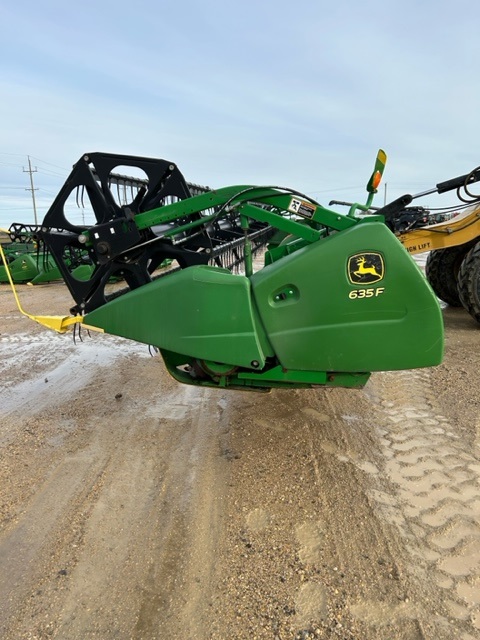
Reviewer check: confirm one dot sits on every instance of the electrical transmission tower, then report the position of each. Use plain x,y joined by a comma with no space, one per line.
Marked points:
31,188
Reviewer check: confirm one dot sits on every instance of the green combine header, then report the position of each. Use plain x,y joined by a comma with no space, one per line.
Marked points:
336,297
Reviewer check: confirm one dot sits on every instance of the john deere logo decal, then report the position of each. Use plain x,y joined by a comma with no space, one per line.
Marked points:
365,268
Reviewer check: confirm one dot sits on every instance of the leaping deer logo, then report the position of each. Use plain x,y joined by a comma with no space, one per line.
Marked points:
362,269
365,268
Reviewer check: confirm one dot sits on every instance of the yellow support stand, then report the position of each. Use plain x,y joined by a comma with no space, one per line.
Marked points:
61,324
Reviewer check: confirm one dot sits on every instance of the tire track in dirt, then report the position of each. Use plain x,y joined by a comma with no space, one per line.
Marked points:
191,503
385,602
22,545
436,504
376,493
309,553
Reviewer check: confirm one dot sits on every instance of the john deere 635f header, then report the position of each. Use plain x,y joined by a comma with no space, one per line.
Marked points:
337,298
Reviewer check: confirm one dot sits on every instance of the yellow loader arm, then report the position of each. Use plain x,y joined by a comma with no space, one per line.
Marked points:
451,233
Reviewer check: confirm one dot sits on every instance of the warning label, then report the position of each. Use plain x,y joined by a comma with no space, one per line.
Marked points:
302,208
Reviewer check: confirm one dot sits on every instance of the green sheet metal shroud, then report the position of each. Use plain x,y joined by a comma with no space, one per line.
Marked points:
304,310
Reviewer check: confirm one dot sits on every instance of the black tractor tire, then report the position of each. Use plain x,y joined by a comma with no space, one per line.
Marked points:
442,268
469,282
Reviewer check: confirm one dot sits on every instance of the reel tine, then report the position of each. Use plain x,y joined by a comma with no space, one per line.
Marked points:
82,195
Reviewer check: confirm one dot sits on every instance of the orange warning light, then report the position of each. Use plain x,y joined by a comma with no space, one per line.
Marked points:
377,178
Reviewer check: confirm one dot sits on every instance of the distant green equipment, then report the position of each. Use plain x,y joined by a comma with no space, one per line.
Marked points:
28,263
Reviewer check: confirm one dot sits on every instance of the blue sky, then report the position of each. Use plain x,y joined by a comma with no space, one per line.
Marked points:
298,94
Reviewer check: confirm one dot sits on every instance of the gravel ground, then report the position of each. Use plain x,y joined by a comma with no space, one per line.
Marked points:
132,507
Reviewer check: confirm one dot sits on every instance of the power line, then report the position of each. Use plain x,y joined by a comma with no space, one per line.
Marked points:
49,172
50,163
10,164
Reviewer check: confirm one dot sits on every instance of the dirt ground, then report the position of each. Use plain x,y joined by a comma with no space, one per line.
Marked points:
133,507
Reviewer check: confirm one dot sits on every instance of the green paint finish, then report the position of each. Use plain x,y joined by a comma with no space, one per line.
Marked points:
22,269
284,249
202,311
31,267
285,224
317,319
83,272
243,197
264,381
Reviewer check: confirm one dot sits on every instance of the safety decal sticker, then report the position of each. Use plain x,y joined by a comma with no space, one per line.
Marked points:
302,208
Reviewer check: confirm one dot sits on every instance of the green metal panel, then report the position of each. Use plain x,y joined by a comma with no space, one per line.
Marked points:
272,377
202,311
243,196
83,272
47,271
31,267
318,319
22,269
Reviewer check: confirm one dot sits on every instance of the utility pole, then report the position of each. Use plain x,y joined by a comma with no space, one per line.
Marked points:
31,172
